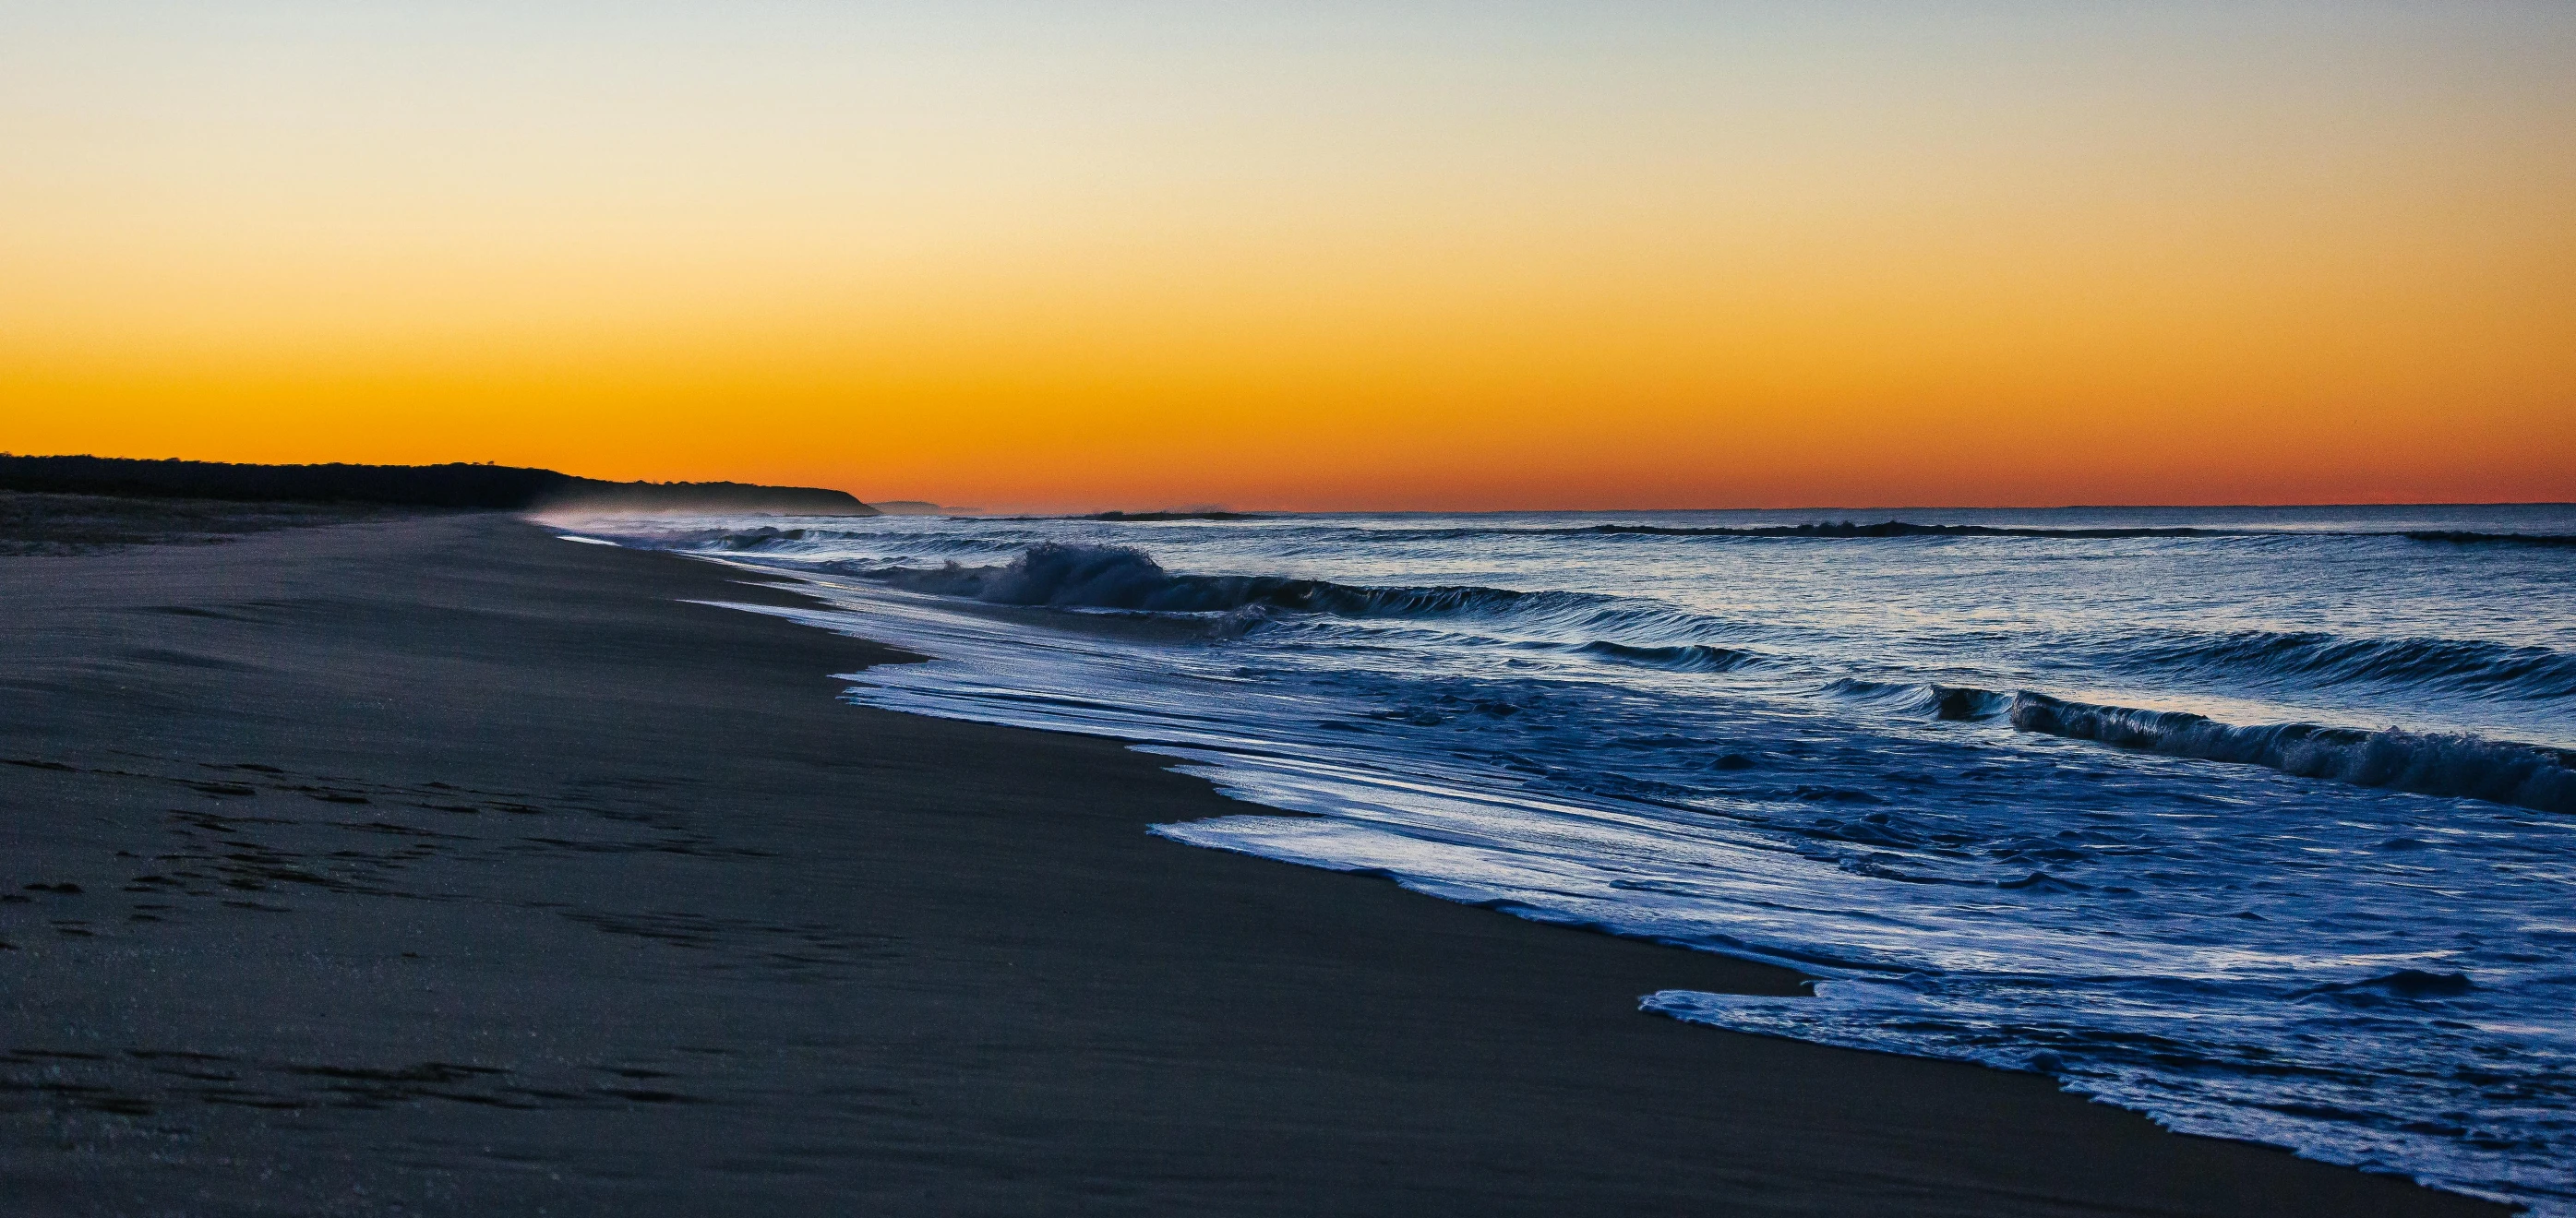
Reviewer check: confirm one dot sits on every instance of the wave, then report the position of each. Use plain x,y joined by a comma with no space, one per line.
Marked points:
1062,575
1688,657
1956,702
2455,537
2499,771
2406,984
2459,666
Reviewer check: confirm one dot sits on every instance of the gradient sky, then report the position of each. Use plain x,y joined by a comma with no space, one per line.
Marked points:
1315,255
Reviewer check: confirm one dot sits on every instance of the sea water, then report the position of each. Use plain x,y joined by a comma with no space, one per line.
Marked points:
2260,821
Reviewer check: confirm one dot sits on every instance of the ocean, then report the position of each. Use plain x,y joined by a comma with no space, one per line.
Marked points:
2261,821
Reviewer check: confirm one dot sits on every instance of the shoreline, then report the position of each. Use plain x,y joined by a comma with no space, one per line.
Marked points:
486,873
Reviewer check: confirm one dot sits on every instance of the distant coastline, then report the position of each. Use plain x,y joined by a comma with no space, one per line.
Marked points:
453,485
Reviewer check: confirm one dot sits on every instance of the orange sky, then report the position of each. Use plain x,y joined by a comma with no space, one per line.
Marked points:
1391,256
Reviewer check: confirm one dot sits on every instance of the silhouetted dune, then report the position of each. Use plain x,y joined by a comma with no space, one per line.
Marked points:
455,485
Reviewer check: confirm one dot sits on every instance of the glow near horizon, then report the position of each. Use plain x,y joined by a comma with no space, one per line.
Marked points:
1404,255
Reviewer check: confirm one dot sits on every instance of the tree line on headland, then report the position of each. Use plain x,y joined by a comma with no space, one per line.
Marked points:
454,485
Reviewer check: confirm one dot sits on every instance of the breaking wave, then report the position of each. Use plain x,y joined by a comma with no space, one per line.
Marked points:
2424,763
1689,657
1061,575
2499,771
1957,702
2459,666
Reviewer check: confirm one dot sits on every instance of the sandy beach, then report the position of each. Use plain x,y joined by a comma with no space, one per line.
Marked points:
435,865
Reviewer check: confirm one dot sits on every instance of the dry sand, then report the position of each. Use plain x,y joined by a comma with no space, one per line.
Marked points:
439,866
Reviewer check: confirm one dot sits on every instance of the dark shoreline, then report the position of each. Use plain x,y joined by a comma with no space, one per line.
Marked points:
455,485
484,875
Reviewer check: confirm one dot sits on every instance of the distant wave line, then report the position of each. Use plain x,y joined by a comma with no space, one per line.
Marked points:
1854,530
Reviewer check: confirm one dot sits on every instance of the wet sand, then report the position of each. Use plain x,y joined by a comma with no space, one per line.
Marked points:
436,865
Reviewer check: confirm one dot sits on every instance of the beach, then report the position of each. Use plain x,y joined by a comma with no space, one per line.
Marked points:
434,864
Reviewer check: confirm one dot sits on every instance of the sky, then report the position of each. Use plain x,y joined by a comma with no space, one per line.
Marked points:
1323,255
